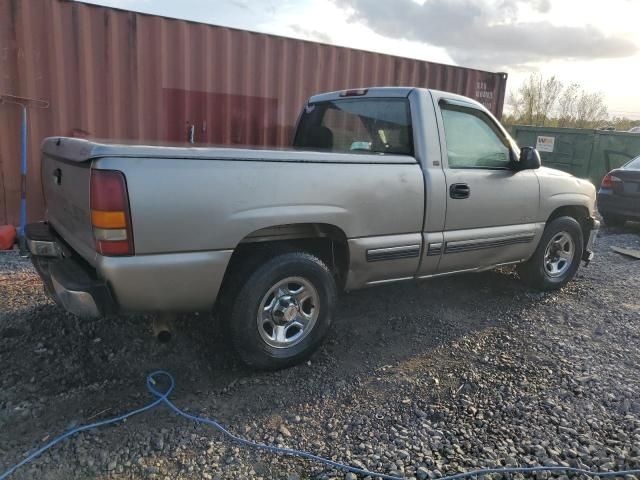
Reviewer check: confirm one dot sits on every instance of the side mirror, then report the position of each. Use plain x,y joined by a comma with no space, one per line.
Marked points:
529,159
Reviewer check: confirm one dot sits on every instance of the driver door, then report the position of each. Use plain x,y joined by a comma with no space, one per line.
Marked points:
491,208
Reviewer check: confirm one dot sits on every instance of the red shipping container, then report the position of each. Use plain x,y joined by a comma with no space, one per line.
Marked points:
7,237
111,73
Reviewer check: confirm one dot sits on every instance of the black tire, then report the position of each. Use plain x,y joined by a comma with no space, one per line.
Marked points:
535,273
613,220
243,320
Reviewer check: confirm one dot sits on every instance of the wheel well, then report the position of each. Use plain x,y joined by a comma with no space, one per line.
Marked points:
327,242
580,213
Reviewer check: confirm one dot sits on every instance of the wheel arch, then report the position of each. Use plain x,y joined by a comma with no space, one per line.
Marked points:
580,213
326,241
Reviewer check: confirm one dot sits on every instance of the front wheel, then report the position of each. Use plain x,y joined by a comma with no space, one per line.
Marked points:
283,311
557,258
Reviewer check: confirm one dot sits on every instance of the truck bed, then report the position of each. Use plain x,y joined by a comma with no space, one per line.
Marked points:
190,207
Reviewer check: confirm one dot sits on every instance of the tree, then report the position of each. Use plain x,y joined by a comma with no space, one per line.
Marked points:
566,105
549,102
581,109
590,110
534,101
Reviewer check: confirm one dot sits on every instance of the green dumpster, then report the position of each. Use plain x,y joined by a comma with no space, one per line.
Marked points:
585,153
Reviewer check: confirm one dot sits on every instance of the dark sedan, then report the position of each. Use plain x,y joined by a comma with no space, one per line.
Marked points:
619,194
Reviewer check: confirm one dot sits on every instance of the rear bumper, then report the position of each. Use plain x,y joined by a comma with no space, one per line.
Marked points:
170,282
627,207
68,280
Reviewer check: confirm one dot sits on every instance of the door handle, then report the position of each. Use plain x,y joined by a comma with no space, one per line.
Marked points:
459,190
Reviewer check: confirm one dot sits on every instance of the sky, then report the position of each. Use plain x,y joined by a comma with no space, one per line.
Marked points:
593,42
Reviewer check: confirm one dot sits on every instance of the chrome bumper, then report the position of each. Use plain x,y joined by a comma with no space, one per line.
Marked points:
77,302
70,282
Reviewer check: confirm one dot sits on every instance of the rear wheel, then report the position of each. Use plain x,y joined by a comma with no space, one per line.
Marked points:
283,311
557,258
613,220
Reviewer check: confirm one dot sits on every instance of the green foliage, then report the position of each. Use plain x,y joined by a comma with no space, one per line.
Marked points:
548,102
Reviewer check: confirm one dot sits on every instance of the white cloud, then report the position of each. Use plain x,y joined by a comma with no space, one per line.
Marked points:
490,34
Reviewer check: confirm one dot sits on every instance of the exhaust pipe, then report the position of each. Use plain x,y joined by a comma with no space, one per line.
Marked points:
161,327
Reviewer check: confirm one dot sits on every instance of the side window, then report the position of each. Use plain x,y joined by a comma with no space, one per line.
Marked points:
359,125
473,140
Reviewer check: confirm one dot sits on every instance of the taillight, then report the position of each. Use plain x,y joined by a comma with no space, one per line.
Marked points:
110,214
609,180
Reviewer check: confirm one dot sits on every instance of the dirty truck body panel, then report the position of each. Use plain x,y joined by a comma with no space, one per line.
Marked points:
426,205
246,197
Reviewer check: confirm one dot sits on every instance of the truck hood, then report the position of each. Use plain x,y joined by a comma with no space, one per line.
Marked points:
546,171
569,179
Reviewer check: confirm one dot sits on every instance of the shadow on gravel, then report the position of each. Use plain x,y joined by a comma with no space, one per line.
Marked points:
388,344
629,227
59,370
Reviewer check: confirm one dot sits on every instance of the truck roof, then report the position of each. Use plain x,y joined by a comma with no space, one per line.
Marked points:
389,92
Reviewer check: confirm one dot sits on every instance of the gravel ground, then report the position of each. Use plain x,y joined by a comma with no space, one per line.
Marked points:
420,380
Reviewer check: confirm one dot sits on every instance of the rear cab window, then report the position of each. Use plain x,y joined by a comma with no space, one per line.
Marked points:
358,125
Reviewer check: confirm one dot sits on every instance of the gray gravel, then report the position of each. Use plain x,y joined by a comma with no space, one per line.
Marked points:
420,380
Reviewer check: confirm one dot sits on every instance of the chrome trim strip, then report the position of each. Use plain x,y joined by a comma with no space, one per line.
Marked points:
389,280
509,263
469,246
434,249
497,265
433,275
470,270
393,253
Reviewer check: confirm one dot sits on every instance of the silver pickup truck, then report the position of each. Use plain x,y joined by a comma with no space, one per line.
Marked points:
381,185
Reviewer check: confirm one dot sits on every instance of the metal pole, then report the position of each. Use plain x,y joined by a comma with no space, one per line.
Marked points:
24,103
23,186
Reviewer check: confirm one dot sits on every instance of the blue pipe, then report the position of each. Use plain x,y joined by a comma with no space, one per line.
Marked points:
162,397
23,102
23,185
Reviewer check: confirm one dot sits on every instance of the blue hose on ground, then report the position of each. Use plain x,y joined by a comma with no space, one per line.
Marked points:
163,397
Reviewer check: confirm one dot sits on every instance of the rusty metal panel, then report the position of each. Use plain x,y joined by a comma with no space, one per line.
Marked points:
111,73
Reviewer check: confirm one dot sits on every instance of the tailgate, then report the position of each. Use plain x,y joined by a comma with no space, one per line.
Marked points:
66,178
